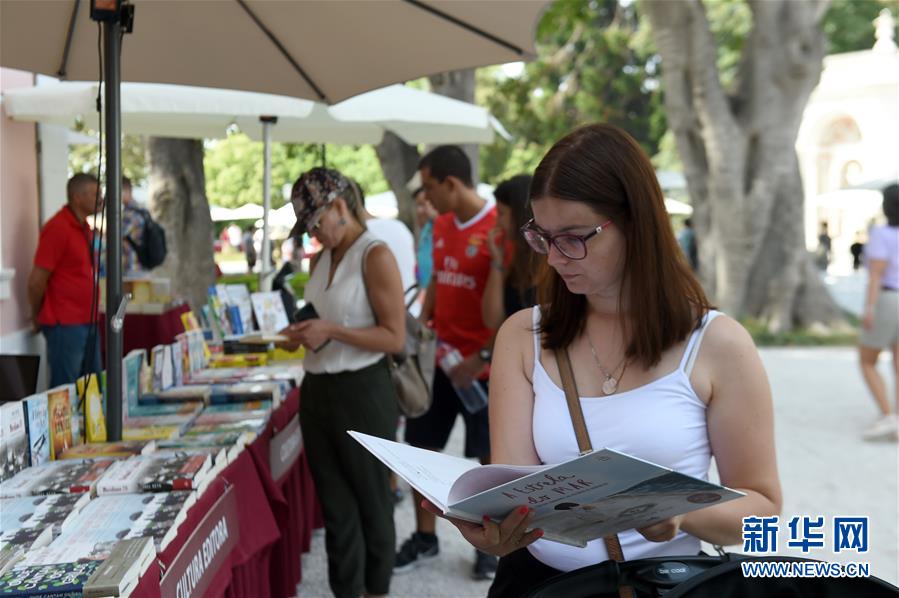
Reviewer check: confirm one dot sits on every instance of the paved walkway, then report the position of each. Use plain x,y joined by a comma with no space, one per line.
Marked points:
821,408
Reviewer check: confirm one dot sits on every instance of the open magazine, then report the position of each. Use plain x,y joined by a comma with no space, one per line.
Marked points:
595,495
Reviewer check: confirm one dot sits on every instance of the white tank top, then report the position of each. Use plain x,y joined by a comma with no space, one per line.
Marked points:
344,302
663,421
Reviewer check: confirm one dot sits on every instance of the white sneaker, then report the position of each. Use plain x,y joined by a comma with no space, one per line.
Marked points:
885,428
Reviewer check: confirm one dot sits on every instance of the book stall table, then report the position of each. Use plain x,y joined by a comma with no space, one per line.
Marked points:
145,331
246,533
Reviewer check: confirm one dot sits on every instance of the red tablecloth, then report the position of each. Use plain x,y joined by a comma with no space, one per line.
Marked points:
276,521
144,331
293,502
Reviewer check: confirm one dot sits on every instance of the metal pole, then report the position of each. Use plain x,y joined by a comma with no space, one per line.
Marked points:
112,91
265,270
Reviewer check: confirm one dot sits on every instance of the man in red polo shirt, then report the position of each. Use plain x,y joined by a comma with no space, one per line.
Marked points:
453,301
61,284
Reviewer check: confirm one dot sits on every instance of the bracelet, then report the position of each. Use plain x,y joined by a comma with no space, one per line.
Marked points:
497,266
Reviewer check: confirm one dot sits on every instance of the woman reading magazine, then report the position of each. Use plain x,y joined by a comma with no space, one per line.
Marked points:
660,374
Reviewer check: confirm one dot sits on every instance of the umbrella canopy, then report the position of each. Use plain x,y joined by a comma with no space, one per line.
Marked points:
678,207
201,112
325,51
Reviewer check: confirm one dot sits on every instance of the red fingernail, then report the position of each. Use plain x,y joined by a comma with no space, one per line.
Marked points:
539,533
485,519
523,510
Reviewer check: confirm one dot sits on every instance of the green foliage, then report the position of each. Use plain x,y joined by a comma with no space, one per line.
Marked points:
848,23
85,158
730,22
234,168
596,62
800,337
297,283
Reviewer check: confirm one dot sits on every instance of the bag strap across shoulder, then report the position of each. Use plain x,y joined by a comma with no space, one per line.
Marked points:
613,545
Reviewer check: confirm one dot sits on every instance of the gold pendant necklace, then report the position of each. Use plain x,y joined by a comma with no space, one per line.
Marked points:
610,383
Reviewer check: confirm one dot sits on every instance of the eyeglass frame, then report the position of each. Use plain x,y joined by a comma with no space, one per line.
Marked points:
550,240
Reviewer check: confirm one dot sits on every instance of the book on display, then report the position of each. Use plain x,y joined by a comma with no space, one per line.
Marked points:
598,494
72,477
90,394
51,511
155,473
269,310
120,573
59,580
59,407
109,450
37,424
14,452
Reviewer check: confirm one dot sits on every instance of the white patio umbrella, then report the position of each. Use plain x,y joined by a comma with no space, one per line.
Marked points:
678,207
199,112
327,51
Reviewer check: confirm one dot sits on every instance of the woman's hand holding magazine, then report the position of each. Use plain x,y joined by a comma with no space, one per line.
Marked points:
498,539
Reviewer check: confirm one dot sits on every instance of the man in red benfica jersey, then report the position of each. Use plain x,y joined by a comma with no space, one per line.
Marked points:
453,306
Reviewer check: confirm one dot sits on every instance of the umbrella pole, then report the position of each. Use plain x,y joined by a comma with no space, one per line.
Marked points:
114,305
265,271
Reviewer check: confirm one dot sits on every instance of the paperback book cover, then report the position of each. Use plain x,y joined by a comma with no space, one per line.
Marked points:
91,396
214,418
242,392
16,545
178,472
37,424
250,425
59,407
269,310
48,581
160,516
151,433
109,450
72,477
132,406
248,406
13,440
94,532
120,573
201,440
598,494
39,511
177,364
22,483
239,296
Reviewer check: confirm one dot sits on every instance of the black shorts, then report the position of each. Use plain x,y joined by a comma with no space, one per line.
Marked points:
432,430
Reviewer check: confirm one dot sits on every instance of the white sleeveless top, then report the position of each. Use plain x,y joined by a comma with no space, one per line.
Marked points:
663,421
344,302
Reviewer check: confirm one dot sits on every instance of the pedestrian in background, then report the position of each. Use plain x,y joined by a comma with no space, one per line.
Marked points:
510,285
880,321
61,284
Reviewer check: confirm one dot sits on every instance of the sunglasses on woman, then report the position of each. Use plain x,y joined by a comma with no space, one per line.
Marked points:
574,247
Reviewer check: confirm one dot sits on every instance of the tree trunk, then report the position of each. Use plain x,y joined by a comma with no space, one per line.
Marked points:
399,161
738,153
178,202
459,85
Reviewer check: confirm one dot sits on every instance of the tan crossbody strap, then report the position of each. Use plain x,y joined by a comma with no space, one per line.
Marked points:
613,546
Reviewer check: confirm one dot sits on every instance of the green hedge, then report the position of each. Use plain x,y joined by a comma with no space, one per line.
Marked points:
298,282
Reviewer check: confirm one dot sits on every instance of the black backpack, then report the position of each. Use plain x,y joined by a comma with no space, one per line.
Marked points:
151,250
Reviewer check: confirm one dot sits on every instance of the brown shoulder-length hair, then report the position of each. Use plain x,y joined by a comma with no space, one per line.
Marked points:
604,167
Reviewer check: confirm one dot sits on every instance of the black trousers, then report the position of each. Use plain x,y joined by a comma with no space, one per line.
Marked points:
352,485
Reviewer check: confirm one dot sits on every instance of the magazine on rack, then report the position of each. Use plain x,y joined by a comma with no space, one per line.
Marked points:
598,494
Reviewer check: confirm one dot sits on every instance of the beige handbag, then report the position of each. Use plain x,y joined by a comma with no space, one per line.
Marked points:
412,370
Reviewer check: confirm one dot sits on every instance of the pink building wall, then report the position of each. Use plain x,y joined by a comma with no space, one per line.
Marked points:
19,206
